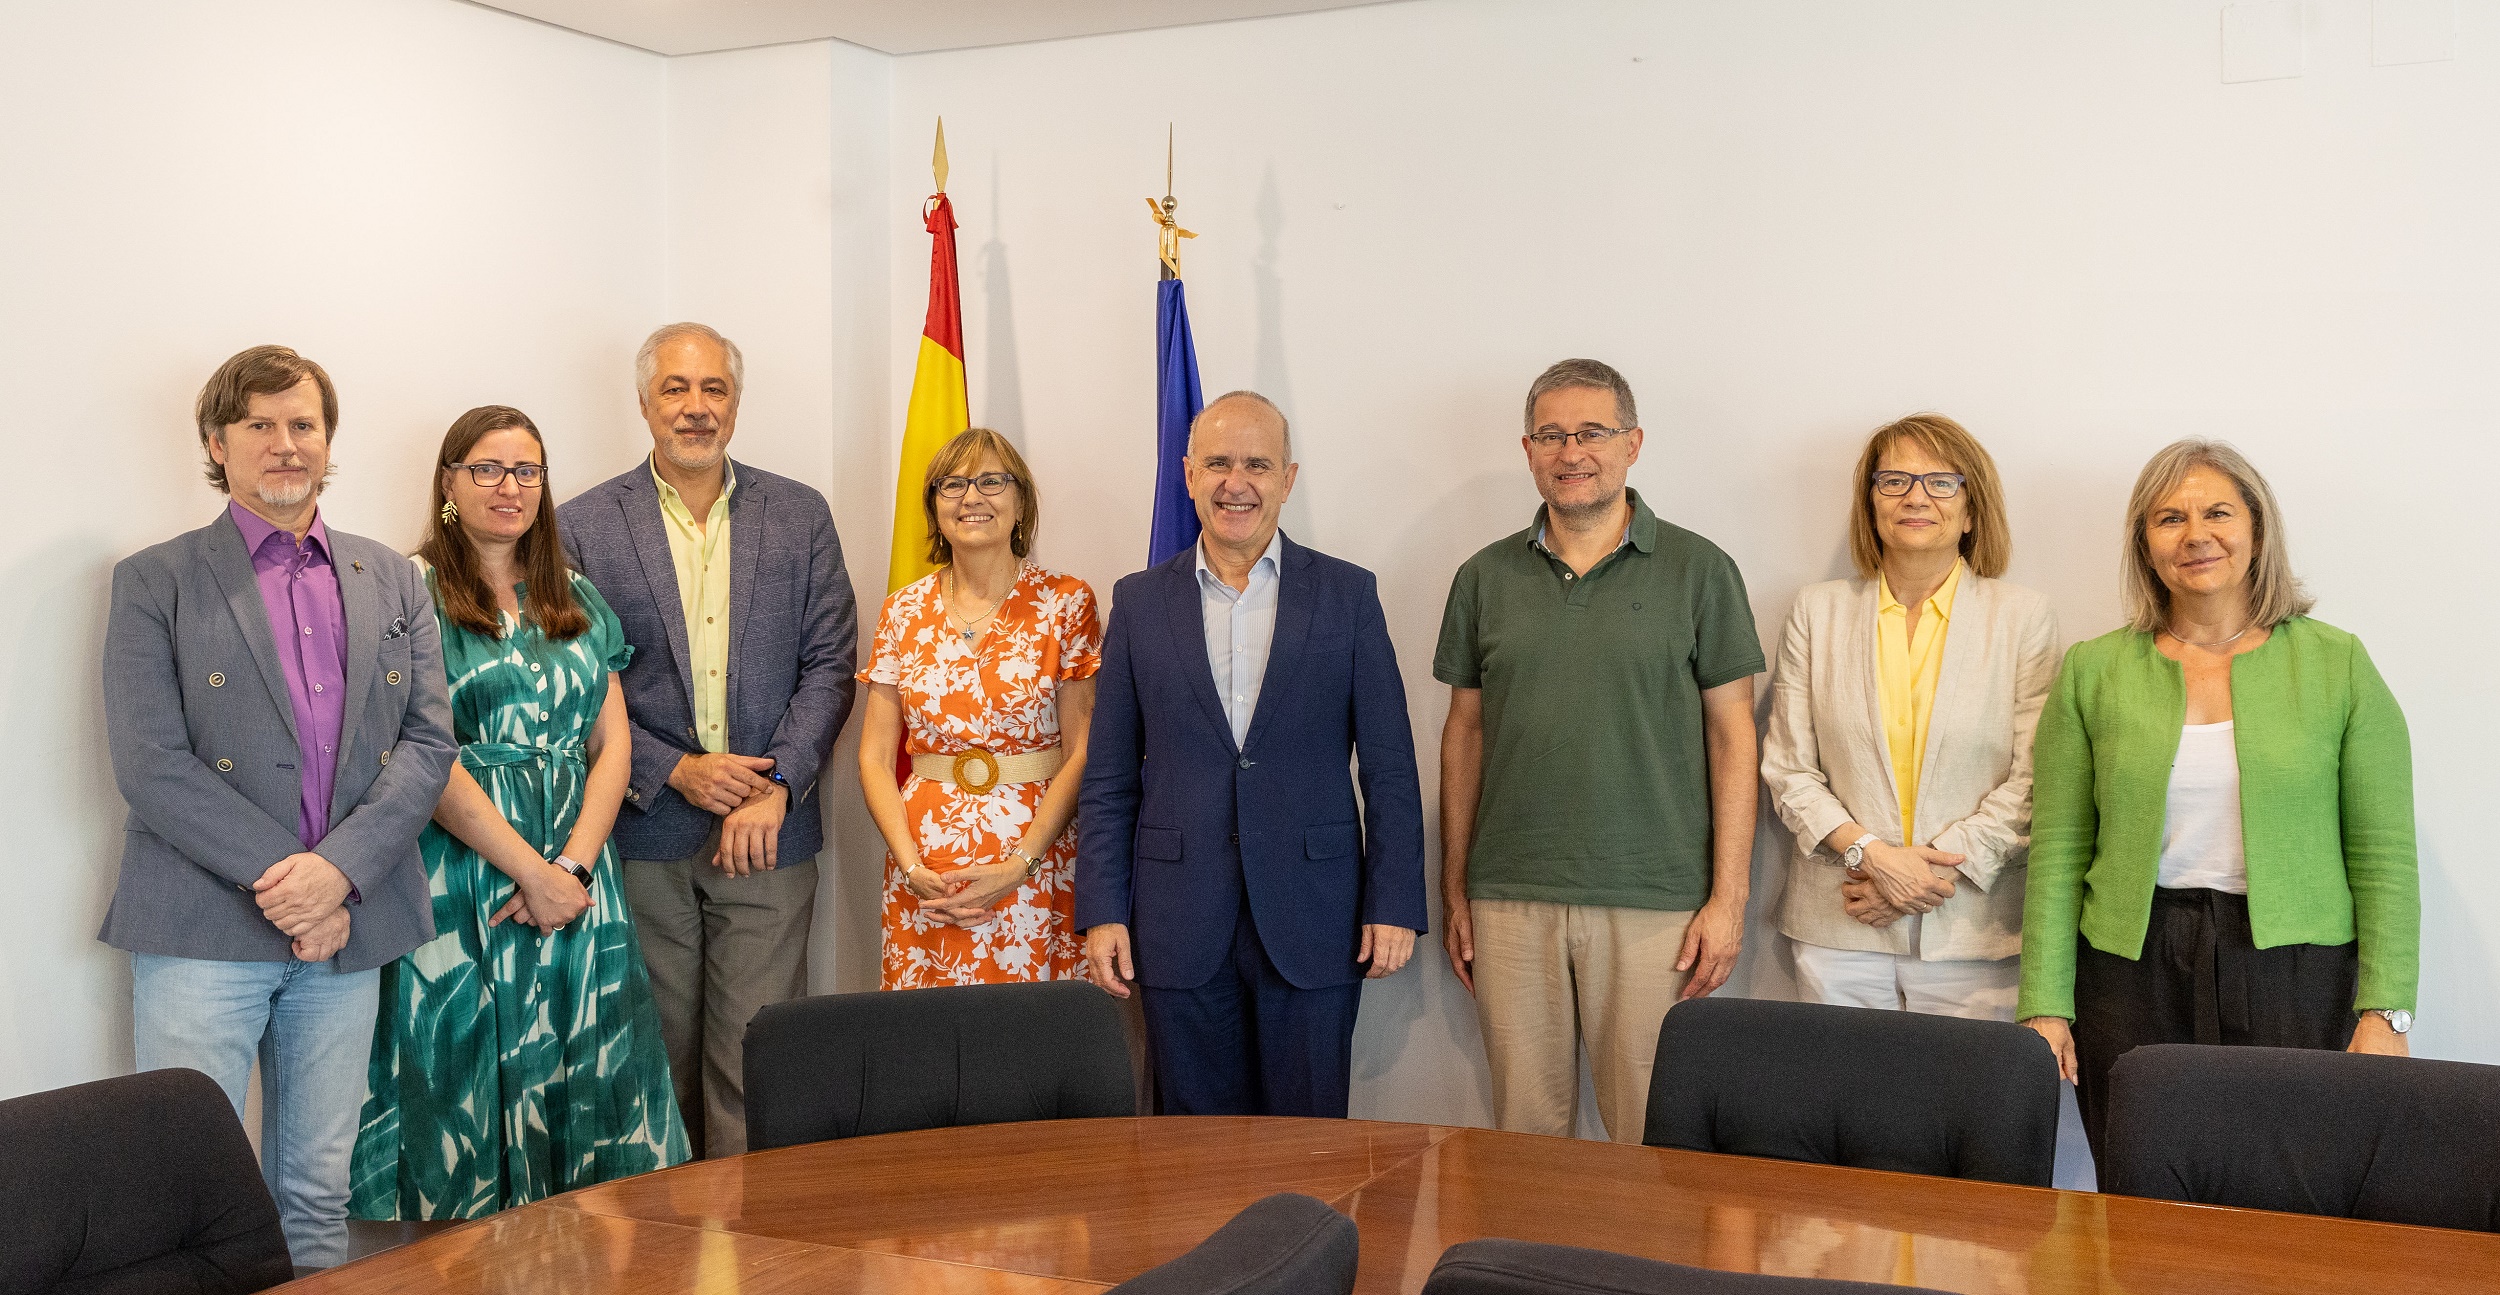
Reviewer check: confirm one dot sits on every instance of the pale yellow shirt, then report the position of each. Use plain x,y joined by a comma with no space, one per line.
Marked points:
701,555
1906,667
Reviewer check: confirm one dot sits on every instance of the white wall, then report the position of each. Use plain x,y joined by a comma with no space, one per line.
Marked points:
1788,223
445,205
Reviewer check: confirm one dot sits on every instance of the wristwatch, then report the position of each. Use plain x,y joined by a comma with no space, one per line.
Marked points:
2397,1018
1031,864
1854,858
576,870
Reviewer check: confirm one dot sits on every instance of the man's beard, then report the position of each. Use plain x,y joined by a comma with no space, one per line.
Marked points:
677,452
284,496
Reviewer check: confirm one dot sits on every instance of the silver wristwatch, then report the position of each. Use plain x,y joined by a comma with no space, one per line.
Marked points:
1854,858
2397,1018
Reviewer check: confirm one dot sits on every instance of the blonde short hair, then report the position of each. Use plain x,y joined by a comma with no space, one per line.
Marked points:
956,458
2274,594
1989,544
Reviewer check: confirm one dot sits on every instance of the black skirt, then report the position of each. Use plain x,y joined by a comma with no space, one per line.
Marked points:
2203,979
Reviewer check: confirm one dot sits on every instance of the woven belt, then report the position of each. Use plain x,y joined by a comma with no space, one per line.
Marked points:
977,770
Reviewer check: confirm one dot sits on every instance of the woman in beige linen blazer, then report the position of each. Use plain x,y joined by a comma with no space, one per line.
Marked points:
1931,919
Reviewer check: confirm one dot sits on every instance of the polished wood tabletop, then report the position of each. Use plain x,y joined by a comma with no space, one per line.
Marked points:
1076,1205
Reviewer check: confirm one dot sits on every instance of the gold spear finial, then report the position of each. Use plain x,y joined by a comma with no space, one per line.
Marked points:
1168,242
937,159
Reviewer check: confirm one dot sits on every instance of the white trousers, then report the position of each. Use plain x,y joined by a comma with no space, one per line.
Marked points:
1974,990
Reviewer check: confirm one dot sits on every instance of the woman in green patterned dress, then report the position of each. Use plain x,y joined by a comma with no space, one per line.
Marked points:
518,1053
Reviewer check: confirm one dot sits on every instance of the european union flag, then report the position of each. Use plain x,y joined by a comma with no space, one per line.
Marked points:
1177,401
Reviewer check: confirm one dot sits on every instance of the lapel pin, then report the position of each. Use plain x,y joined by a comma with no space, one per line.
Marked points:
360,567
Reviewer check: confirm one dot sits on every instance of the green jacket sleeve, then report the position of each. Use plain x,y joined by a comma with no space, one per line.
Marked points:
2379,859
2065,821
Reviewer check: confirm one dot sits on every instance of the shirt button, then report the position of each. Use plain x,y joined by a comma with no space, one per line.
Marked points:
316,687
533,667
308,630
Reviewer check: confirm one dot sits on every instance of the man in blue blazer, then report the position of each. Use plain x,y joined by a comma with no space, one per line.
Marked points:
729,583
1223,862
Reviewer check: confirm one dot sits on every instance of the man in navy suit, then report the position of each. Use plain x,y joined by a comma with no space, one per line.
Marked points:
1223,861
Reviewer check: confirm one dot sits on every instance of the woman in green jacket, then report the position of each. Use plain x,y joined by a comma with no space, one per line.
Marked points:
2222,805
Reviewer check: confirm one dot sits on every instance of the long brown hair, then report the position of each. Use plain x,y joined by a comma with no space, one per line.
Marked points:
460,587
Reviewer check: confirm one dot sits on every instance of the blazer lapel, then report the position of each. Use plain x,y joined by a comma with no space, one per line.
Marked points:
746,550
641,506
363,604
1186,622
1965,635
1869,631
1293,632
241,585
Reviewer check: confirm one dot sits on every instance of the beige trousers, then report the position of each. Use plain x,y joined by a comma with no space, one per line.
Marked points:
719,949
1550,975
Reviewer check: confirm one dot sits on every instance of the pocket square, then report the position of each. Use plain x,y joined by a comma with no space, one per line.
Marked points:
399,626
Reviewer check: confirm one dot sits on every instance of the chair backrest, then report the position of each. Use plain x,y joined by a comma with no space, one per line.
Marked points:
1500,1267
1856,1086
1285,1244
851,1065
142,1183
2393,1139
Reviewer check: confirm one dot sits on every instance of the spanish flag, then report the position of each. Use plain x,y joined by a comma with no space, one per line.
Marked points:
939,407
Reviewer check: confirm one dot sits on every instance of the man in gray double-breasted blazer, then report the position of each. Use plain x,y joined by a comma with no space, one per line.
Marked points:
730,585
281,729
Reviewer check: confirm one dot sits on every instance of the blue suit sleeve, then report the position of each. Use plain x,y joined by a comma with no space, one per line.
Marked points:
1106,820
1384,750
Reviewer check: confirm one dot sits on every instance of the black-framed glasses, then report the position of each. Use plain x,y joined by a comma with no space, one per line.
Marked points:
1940,485
988,483
530,475
1588,437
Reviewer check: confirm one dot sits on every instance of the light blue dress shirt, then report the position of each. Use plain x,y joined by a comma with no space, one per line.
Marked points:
1240,625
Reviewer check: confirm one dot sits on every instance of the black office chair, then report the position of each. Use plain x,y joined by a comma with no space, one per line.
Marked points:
142,1184
851,1065
1855,1086
1283,1245
2392,1139
1500,1267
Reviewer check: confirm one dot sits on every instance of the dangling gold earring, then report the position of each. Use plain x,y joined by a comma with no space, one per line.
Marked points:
451,512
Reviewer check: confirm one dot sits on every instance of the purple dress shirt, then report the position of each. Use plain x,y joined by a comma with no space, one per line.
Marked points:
300,590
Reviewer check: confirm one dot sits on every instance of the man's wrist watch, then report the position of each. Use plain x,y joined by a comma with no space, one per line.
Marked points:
1854,858
2397,1018
576,870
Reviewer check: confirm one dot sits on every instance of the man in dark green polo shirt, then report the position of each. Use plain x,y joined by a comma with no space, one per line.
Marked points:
1597,769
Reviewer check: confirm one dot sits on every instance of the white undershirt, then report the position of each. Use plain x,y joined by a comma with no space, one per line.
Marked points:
2200,834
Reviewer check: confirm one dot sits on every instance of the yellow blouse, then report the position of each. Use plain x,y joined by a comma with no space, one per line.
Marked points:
1907,667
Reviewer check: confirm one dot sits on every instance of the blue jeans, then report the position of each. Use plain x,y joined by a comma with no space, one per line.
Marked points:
312,1029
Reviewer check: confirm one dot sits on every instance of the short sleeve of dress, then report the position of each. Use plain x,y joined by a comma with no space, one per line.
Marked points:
607,634
885,649
1080,633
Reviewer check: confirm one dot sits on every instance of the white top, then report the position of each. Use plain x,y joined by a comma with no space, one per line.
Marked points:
2200,834
1240,624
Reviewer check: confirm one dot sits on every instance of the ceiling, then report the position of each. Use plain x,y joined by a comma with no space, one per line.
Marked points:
893,26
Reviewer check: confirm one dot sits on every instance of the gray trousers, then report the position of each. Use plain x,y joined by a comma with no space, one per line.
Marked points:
720,949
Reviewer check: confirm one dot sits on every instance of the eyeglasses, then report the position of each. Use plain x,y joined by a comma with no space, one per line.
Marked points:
988,483
530,475
1588,437
1940,485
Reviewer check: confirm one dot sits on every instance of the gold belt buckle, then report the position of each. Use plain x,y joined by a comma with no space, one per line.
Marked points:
989,771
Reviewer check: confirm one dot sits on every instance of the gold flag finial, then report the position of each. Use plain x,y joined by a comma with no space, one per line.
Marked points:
1168,242
937,159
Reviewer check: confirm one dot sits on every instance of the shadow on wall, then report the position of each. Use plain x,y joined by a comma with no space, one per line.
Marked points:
1002,382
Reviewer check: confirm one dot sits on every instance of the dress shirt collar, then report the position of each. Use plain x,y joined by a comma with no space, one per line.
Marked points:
257,530
1939,603
1273,558
669,495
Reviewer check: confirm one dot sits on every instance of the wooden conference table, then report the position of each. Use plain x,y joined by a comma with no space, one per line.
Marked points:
1076,1205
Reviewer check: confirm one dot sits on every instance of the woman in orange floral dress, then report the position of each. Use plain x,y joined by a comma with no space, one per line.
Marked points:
988,667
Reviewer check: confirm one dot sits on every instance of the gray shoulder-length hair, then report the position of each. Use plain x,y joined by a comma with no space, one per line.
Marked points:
2274,594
